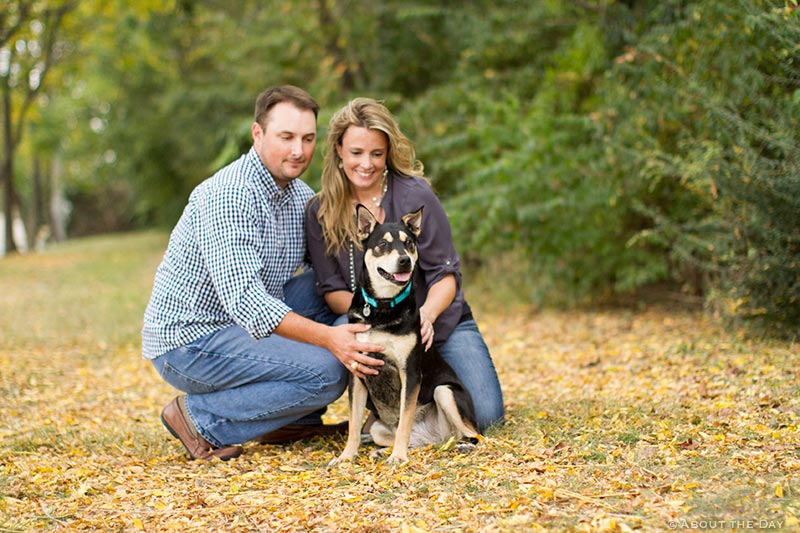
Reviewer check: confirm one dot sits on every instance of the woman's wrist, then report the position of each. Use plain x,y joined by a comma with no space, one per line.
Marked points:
427,315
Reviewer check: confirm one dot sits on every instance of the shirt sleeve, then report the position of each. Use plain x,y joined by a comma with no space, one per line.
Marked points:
230,236
437,253
328,272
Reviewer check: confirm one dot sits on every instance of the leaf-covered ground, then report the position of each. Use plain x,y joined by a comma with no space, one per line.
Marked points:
650,419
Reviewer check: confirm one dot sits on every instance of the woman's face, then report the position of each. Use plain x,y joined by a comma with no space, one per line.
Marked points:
363,153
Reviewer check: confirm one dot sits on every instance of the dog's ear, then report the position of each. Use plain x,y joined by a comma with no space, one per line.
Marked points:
365,222
413,222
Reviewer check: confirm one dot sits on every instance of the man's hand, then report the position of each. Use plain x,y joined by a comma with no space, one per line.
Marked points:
351,352
339,340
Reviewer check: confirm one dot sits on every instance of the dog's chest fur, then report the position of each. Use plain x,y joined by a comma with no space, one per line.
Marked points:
385,389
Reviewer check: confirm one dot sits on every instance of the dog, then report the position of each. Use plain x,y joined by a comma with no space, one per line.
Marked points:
417,398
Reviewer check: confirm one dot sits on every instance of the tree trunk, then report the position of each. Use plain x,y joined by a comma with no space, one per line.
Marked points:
330,32
59,206
35,208
7,171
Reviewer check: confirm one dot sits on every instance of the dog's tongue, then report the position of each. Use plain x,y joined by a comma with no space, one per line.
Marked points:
401,277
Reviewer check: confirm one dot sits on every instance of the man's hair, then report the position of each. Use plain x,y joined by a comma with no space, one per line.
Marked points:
283,93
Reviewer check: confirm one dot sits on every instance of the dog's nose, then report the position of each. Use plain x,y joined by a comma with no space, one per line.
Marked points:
404,261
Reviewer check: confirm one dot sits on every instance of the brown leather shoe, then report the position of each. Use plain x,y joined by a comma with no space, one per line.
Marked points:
293,432
176,419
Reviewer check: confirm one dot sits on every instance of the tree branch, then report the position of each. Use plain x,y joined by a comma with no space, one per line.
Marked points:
6,34
52,21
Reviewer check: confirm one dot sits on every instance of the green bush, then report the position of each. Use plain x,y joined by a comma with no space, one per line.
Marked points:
702,122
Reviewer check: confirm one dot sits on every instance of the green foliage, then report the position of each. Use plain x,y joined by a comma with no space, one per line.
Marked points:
601,146
662,151
520,174
702,127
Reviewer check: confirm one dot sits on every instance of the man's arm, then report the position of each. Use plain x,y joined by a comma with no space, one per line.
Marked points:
339,340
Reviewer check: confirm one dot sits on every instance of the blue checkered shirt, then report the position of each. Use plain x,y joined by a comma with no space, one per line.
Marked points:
238,241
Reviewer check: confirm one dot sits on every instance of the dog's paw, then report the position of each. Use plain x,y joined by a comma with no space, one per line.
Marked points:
380,453
397,459
338,461
466,447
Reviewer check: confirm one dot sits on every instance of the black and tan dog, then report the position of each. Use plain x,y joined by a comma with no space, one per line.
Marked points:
417,397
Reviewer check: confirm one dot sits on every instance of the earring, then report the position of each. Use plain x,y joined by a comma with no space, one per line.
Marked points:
385,172
341,164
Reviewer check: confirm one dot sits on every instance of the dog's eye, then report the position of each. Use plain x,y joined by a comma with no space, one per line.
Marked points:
410,247
383,245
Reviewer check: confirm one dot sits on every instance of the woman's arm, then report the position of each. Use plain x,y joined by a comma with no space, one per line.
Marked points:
339,301
440,295
327,271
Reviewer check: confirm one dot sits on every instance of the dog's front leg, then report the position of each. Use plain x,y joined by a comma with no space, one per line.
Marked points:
408,408
358,403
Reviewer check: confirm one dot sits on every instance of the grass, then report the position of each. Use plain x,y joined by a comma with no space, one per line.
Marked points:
618,419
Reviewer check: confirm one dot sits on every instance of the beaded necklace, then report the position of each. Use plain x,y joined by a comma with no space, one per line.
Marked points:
376,200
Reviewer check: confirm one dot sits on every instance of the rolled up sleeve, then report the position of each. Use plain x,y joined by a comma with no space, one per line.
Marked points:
437,253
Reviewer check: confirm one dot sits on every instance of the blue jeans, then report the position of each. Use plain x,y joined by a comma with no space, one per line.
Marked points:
466,352
239,388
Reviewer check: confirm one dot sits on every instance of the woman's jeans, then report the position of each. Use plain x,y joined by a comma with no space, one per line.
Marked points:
239,388
466,351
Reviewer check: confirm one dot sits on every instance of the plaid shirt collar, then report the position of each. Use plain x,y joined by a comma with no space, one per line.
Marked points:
276,195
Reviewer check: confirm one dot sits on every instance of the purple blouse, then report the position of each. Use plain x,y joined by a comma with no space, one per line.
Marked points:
437,254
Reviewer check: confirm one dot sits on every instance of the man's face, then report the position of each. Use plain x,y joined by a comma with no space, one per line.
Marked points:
286,144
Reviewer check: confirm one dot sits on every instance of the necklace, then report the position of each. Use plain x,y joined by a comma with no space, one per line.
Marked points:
376,200
352,267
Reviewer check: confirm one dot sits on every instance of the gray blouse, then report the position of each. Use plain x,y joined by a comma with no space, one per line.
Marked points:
437,254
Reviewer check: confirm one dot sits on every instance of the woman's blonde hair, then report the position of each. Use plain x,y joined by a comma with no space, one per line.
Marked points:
336,211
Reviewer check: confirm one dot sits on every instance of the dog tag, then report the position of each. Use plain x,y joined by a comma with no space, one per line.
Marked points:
366,311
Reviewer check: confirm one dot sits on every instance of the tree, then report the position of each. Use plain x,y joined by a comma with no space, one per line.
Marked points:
29,32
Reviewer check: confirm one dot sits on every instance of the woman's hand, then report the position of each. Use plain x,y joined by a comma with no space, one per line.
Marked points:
426,329
440,295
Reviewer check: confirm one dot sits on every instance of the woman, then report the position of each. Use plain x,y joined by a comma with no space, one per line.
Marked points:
370,162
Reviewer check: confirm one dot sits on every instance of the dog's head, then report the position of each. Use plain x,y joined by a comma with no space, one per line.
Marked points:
390,251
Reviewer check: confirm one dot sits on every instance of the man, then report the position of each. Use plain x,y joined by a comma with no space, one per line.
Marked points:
227,320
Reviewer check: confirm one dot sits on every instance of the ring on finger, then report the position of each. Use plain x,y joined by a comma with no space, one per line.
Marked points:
354,365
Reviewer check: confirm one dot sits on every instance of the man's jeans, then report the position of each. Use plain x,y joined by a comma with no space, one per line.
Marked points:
239,388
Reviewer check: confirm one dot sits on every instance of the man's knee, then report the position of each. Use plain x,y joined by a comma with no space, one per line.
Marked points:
335,382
